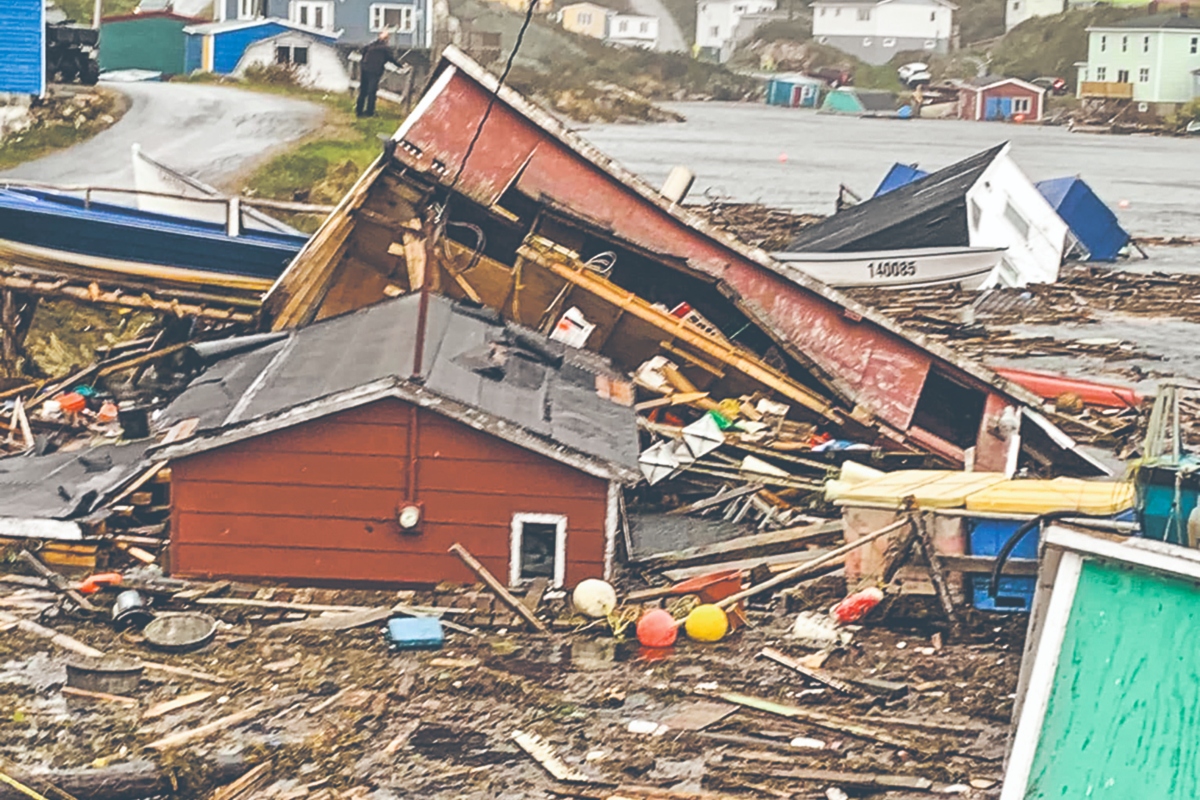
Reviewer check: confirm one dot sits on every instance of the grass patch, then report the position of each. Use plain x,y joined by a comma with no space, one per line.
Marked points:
61,122
81,10
1052,45
323,167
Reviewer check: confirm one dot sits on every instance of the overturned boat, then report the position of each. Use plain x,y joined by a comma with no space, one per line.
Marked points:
966,267
62,233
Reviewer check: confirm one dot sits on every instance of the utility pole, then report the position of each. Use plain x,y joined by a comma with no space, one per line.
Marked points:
97,10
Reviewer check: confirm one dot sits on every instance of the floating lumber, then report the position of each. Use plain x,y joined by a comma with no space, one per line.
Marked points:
760,544
204,731
498,588
826,721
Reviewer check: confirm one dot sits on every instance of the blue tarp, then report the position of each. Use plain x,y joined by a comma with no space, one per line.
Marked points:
1093,223
899,175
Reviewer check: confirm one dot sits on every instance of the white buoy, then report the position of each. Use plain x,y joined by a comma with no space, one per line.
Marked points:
594,598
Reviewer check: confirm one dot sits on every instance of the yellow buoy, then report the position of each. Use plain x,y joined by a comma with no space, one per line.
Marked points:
706,623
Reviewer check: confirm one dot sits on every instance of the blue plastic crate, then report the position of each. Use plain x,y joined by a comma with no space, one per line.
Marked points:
414,633
985,538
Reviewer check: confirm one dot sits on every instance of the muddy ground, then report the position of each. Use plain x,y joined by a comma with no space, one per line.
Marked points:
438,724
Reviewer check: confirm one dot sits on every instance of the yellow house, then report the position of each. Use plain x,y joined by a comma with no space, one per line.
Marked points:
588,19
542,7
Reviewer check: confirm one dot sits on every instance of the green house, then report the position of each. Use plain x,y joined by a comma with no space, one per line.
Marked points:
1149,60
153,41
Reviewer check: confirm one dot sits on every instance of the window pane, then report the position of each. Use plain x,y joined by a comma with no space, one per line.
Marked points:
299,55
537,550
281,55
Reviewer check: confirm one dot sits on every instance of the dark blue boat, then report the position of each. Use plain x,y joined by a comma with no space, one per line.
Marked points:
48,229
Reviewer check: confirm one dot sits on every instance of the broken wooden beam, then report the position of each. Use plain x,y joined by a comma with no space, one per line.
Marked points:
498,588
170,706
181,738
102,696
785,540
60,639
817,675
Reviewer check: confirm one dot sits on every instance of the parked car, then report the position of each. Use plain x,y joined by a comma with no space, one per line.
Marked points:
1052,84
914,74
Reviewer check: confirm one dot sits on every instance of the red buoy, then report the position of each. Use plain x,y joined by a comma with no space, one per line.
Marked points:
657,628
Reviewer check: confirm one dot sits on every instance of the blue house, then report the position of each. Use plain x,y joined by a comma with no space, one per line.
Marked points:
1093,223
357,21
22,46
218,46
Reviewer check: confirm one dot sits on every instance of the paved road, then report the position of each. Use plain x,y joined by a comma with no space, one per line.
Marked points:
670,37
210,132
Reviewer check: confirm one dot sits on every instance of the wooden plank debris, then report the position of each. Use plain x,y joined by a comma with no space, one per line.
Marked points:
340,621
179,703
57,582
204,731
245,785
498,588
759,544
818,675
824,721
184,672
544,753
103,696
60,639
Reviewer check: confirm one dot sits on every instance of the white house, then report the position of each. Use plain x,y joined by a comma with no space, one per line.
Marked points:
717,24
317,65
1017,11
632,30
875,30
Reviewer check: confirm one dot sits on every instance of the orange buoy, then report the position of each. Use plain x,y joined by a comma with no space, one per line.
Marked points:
656,628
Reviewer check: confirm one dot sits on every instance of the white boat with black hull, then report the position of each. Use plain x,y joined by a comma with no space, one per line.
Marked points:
968,267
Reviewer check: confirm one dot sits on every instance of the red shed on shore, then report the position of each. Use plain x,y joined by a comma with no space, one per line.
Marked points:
335,454
1002,99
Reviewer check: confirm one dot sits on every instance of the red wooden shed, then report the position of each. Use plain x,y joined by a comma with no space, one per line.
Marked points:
1002,99
338,454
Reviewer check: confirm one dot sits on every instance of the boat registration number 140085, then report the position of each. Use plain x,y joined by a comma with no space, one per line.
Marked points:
892,269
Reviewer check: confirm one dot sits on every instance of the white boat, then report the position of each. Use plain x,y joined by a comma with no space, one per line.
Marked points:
157,179
969,267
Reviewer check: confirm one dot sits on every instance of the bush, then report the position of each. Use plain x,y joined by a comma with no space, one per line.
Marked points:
274,74
1188,112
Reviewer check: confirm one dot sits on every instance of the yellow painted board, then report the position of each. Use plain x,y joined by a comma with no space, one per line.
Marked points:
929,488
1059,494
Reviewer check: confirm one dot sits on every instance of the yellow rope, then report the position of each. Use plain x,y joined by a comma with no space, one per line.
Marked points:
20,787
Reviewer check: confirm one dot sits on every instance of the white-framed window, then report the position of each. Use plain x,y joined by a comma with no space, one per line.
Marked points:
1124,44
1103,43
1144,75
715,30
399,17
1195,44
1145,44
1016,6
538,548
864,15
1021,105
584,18
316,14
933,16
644,27
1016,219
1122,76
1101,73
248,9
889,42
622,26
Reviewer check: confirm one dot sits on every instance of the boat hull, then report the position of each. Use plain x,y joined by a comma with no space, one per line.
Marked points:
49,227
969,267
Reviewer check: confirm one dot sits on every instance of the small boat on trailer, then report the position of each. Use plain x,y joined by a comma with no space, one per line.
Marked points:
968,267
61,233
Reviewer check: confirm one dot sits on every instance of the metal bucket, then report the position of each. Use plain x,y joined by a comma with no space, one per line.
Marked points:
130,611
179,633
110,674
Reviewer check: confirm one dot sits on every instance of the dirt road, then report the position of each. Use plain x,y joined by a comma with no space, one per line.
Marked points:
210,132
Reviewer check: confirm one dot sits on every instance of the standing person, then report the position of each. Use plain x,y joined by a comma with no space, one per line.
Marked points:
375,57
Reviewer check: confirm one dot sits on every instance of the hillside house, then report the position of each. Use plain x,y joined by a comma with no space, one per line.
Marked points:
355,21
586,19
876,30
633,30
360,448
1017,11
719,28
1151,61
995,98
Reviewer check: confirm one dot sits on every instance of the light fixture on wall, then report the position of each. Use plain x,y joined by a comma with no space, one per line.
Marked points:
409,517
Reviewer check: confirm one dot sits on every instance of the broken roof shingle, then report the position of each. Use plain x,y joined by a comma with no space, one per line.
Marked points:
509,374
65,485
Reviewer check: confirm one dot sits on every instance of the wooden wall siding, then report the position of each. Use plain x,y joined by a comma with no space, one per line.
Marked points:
319,501
1124,711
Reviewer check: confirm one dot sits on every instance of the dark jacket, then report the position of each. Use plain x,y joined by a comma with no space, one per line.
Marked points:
376,56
